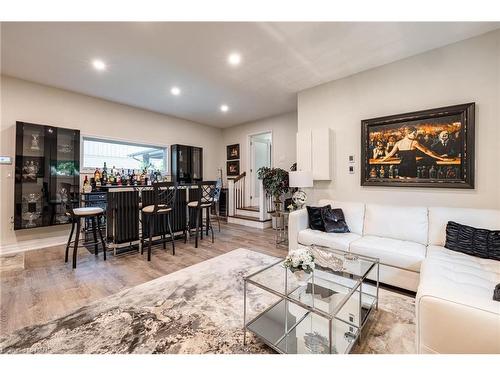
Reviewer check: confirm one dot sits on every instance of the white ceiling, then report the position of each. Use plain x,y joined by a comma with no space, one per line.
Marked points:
146,59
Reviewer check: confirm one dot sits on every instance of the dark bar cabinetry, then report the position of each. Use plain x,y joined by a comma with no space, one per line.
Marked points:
186,164
47,174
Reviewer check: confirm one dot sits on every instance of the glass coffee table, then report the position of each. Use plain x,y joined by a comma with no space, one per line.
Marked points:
325,313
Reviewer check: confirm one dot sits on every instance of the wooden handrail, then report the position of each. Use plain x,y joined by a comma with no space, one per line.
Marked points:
237,178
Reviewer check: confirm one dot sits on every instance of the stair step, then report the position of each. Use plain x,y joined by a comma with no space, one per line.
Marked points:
251,218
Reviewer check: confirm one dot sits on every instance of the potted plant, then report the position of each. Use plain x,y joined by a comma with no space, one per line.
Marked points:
275,183
301,263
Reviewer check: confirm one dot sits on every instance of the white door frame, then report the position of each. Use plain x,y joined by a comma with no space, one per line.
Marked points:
249,165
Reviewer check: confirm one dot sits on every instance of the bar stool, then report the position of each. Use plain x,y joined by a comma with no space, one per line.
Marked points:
218,189
76,215
206,200
164,197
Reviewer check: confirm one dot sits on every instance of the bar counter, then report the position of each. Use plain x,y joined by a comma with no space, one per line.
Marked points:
124,222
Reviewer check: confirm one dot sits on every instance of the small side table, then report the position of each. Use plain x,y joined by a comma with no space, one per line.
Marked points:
281,230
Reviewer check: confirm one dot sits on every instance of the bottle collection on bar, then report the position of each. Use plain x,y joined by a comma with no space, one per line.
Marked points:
127,177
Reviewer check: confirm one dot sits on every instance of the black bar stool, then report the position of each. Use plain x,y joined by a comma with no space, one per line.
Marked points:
218,189
164,197
206,200
76,215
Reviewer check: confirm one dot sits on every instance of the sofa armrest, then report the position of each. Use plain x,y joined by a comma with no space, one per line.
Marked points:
297,221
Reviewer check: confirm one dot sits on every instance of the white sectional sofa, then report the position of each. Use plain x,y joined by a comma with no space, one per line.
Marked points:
454,305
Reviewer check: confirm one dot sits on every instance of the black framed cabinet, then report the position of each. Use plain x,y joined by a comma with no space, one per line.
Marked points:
47,174
186,164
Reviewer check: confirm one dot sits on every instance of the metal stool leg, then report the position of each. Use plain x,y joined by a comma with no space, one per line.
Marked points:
151,217
69,240
100,235
94,232
77,239
171,233
197,228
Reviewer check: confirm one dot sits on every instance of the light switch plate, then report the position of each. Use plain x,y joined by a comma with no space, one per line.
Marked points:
351,169
351,158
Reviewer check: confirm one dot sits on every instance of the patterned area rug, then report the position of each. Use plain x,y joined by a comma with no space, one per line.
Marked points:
196,310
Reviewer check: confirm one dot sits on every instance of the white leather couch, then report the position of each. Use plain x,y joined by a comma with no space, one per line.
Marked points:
454,305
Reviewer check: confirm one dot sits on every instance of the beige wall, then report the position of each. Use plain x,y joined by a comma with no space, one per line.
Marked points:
464,72
27,101
284,130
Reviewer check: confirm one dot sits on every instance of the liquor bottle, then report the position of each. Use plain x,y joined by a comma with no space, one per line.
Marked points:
382,172
113,175
432,172
440,174
396,172
97,177
118,178
130,177
86,185
143,178
425,173
391,171
136,177
104,174
419,172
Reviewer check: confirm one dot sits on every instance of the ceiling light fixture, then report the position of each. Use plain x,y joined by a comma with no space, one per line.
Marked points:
234,59
99,65
175,91
224,108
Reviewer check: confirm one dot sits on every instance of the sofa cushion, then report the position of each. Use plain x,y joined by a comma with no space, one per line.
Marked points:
354,213
397,222
481,243
334,221
397,253
459,282
460,260
339,241
479,218
316,216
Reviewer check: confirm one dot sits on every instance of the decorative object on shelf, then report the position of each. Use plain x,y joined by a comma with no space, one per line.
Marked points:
64,168
32,168
35,142
65,148
233,168
300,179
233,152
431,148
275,183
300,262
31,209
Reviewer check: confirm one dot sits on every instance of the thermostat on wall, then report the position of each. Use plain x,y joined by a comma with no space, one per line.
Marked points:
5,160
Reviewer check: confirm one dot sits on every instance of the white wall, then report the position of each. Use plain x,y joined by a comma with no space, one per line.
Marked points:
27,101
467,71
284,129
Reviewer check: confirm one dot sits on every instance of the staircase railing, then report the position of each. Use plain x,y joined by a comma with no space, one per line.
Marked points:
236,193
237,198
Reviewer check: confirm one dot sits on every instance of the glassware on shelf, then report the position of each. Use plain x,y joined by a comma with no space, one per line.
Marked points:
31,209
35,142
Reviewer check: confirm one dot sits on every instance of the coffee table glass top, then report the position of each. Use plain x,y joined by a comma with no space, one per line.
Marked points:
336,277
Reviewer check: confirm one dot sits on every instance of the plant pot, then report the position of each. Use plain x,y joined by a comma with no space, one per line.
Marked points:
301,277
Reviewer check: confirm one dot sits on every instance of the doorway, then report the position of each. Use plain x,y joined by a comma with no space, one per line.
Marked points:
260,156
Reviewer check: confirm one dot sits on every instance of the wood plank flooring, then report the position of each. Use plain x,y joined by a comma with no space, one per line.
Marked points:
48,287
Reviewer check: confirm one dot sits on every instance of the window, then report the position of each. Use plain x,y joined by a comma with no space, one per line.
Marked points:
123,155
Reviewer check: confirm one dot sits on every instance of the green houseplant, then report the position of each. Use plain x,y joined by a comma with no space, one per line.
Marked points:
275,183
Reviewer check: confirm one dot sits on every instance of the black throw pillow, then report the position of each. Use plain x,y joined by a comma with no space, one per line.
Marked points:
315,218
482,243
334,221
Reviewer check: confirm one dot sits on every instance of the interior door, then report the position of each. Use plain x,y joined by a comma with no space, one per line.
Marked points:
260,156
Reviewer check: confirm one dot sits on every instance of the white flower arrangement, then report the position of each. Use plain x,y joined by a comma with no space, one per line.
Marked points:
300,260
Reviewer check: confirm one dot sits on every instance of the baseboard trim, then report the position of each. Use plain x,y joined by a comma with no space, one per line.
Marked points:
31,245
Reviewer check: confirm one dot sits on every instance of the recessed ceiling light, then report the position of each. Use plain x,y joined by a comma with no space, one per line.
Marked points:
224,108
99,65
234,59
175,91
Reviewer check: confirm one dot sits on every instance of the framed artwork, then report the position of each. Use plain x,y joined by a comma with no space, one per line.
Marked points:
233,152
233,168
430,148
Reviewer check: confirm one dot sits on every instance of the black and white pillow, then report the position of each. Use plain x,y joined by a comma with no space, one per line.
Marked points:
334,221
482,243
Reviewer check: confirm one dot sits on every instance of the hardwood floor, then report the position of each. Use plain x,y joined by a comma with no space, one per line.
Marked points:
48,287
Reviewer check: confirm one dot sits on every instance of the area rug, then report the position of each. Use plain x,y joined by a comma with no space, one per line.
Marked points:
195,310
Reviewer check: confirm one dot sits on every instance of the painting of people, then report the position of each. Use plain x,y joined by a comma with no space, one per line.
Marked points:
431,148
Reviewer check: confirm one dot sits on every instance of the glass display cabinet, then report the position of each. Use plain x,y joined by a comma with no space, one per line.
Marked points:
186,164
47,174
